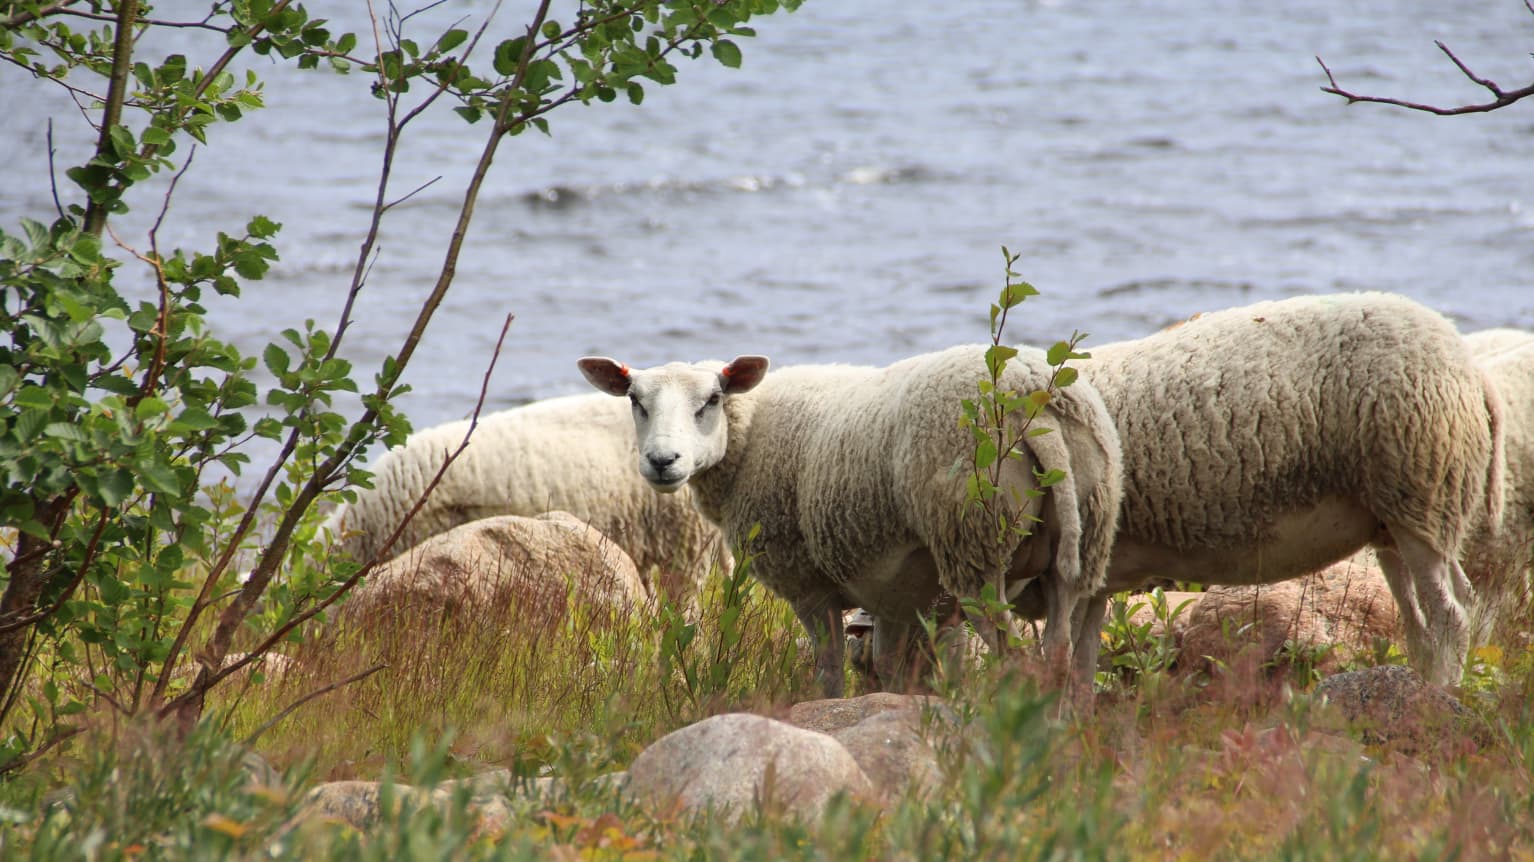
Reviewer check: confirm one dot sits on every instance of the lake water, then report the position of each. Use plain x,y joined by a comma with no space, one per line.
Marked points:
844,195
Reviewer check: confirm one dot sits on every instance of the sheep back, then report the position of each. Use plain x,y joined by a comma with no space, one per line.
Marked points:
1236,417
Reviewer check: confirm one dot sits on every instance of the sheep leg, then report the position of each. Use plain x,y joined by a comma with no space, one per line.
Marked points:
1060,606
1397,575
821,616
1087,638
900,658
1446,636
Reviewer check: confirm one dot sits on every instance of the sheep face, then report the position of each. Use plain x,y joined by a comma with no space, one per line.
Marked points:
679,417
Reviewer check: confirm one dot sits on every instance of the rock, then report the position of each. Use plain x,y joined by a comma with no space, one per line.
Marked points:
355,803
890,749
833,714
1347,605
737,762
1393,706
884,733
359,804
259,771
504,560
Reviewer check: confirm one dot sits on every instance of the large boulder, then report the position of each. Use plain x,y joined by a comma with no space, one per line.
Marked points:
736,763
530,562
1347,606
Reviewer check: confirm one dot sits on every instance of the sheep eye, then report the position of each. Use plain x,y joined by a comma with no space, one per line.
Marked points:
713,400
639,408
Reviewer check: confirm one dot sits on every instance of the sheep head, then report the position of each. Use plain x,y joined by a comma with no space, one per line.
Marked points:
678,410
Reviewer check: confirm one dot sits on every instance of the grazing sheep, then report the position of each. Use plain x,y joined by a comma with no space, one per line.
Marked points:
574,454
1268,441
1497,558
857,479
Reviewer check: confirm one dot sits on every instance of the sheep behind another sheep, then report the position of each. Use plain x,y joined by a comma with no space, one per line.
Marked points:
1497,558
573,454
1265,442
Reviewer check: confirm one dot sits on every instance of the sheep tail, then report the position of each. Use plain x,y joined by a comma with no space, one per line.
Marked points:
1495,489
1053,452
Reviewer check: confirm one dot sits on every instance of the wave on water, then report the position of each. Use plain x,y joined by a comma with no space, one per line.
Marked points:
559,197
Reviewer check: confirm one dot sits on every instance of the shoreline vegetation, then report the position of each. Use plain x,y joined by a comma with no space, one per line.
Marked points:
1239,759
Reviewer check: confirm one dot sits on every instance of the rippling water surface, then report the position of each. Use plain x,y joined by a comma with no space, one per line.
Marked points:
844,195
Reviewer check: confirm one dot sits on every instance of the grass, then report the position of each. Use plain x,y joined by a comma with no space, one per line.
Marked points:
1171,765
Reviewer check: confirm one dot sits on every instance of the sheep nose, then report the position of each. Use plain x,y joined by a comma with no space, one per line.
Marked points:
663,460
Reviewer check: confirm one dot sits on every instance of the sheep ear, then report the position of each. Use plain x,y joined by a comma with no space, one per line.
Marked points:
743,373
608,375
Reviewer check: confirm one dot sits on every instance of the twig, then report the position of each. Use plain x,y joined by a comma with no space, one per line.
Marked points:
53,178
319,692
1501,98
24,759
412,193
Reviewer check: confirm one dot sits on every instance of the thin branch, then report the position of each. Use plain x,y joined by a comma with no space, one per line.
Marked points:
27,16
288,710
53,608
1501,98
53,177
412,193
31,756
153,22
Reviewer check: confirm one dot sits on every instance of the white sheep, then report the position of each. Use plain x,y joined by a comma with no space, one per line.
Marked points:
1497,557
1268,441
857,479
574,454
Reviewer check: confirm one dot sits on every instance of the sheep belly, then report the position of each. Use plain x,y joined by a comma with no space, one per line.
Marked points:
899,584
1297,542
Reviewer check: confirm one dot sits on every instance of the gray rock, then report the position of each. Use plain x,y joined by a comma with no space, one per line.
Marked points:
738,763
890,749
833,714
1393,706
355,803
359,804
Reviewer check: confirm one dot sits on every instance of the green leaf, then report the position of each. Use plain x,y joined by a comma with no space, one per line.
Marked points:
122,142
508,55
159,478
451,39
1015,292
115,486
1058,353
1065,376
276,359
985,453
66,431
727,53
996,358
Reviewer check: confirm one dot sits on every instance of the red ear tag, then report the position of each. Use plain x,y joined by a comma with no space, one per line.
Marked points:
623,369
727,371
